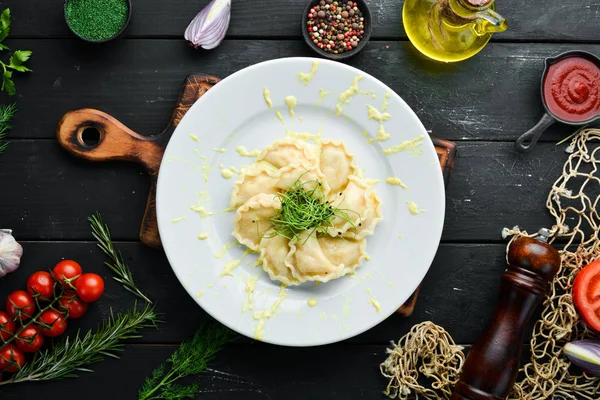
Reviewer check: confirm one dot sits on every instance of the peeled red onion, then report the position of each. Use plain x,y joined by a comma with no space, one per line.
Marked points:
585,354
209,27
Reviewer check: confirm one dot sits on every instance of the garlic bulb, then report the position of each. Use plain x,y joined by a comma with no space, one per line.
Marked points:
10,252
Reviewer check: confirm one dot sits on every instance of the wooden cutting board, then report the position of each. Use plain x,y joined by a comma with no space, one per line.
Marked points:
97,136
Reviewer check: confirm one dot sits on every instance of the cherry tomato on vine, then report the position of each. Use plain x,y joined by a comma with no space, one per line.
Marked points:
41,283
586,291
20,305
67,271
11,358
74,306
7,326
89,287
30,339
52,323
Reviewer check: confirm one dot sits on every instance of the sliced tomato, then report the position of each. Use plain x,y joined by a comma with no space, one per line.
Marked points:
586,294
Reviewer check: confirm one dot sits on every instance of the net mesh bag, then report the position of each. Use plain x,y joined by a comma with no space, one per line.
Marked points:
428,353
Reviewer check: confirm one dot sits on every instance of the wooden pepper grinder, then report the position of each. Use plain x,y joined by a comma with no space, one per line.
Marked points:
491,368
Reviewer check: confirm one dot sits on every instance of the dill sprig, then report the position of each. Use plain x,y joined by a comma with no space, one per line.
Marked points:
7,112
304,208
67,357
191,358
118,266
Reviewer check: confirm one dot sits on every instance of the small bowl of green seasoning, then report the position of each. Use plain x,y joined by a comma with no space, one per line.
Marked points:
97,21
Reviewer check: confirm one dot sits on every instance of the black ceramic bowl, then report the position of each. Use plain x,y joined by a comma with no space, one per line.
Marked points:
362,6
103,40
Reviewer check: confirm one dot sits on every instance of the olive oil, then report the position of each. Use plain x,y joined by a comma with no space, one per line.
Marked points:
451,30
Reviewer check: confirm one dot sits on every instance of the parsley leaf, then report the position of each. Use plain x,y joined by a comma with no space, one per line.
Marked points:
4,26
17,60
7,84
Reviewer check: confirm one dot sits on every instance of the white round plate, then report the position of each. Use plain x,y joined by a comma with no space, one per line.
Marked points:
235,113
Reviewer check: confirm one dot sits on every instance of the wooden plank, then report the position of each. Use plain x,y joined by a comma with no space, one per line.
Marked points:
458,293
494,96
248,372
535,20
239,372
51,192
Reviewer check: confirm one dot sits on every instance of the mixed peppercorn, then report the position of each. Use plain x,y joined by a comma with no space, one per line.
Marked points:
336,26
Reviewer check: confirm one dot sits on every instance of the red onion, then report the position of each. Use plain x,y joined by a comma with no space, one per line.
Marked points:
208,29
585,354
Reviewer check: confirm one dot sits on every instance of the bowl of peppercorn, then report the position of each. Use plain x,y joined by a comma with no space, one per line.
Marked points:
97,21
336,29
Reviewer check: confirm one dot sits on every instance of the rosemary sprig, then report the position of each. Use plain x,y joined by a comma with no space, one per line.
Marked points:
304,209
191,358
118,266
7,112
67,357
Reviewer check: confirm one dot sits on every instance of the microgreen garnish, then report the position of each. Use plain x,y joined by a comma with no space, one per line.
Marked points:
304,206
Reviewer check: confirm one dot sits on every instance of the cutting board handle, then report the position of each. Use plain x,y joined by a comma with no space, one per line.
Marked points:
97,136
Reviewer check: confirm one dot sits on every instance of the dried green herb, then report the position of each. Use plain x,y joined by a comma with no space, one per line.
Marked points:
97,19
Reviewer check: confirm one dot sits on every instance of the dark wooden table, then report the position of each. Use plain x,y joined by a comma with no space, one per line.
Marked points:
482,104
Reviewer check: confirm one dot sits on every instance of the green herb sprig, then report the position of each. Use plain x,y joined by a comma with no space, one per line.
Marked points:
7,112
118,266
67,357
191,358
304,208
17,59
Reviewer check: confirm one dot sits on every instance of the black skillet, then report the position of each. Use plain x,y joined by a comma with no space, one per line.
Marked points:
526,141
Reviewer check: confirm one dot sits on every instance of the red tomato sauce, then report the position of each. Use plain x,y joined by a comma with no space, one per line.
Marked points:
572,89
